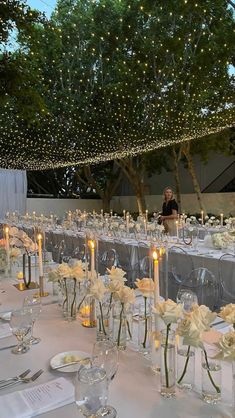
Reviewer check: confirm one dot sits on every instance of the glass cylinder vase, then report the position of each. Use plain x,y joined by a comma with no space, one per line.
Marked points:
211,379
233,384
144,328
70,302
103,319
185,365
168,363
119,331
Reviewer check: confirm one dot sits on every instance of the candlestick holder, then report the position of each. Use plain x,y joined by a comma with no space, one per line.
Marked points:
42,293
90,321
28,284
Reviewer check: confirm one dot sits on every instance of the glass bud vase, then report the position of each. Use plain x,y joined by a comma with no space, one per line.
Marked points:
211,379
70,304
156,351
144,328
103,319
185,365
119,331
168,363
233,384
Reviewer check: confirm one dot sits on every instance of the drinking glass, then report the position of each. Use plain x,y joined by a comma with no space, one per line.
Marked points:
105,356
21,325
187,298
35,305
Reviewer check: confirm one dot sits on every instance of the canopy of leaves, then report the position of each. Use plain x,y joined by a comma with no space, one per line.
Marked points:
118,78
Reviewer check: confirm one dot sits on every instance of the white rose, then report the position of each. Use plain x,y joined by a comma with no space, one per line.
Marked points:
116,273
97,289
146,286
190,333
169,311
202,317
126,295
77,271
64,271
227,313
226,347
115,285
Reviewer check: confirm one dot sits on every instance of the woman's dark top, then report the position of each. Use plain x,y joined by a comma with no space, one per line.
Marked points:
167,207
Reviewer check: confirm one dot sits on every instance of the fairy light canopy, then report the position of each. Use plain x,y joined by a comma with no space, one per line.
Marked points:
118,78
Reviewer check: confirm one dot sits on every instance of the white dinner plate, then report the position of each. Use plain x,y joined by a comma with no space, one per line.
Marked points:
59,359
6,316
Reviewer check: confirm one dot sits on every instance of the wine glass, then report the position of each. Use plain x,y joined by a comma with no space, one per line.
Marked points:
21,324
105,356
91,391
35,305
187,297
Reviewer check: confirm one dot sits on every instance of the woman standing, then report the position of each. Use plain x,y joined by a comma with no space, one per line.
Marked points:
169,211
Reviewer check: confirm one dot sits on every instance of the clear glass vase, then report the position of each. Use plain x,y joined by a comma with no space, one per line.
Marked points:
103,318
70,301
119,331
211,379
88,312
233,384
185,365
144,328
156,351
168,363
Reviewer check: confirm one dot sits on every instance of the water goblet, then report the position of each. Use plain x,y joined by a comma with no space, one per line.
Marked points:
91,391
105,356
187,297
21,325
35,305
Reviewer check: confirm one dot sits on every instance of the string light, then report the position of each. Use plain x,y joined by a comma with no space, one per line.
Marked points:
118,88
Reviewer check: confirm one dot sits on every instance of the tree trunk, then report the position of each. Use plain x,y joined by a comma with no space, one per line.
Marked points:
176,176
135,176
191,169
106,203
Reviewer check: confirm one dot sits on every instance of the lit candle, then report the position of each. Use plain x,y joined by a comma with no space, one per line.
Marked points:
102,213
92,248
156,278
20,275
124,214
7,244
177,229
146,214
145,227
111,213
221,219
40,265
34,215
127,223
202,217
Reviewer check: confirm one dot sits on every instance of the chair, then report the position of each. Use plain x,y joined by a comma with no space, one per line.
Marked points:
227,278
107,259
205,285
127,260
180,265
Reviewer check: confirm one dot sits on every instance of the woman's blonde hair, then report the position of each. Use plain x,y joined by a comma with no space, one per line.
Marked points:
164,193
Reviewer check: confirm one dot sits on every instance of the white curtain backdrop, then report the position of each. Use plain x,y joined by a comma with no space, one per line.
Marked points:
13,191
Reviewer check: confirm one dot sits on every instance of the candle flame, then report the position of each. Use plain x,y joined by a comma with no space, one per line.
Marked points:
39,236
91,244
6,229
155,255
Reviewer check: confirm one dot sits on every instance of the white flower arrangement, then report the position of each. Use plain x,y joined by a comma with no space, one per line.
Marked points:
20,239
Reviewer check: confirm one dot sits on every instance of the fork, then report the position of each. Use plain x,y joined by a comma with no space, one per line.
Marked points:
22,380
24,374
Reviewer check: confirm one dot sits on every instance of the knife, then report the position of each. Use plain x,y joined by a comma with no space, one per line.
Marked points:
9,346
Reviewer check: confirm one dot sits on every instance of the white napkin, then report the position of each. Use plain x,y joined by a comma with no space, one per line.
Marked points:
37,400
5,331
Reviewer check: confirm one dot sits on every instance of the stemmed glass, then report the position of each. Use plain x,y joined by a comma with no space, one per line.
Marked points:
91,391
21,324
35,305
105,356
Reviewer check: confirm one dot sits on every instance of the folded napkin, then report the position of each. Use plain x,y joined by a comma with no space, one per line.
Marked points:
5,331
37,400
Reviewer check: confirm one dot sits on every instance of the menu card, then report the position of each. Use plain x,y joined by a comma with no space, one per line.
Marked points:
5,330
37,400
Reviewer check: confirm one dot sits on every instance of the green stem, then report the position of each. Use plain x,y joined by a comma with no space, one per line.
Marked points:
185,366
120,325
129,329
80,304
74,297
145,322
234,326
102,318
165,354
110,302
209,374
66,292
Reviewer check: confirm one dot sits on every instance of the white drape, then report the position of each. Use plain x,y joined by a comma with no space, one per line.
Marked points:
13,191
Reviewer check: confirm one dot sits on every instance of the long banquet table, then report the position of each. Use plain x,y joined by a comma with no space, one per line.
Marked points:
135,390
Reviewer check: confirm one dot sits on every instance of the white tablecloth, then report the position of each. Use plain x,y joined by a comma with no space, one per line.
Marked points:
135,390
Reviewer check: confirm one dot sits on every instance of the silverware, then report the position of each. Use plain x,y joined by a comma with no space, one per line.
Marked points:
22,380
9,346
84,360
24,374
